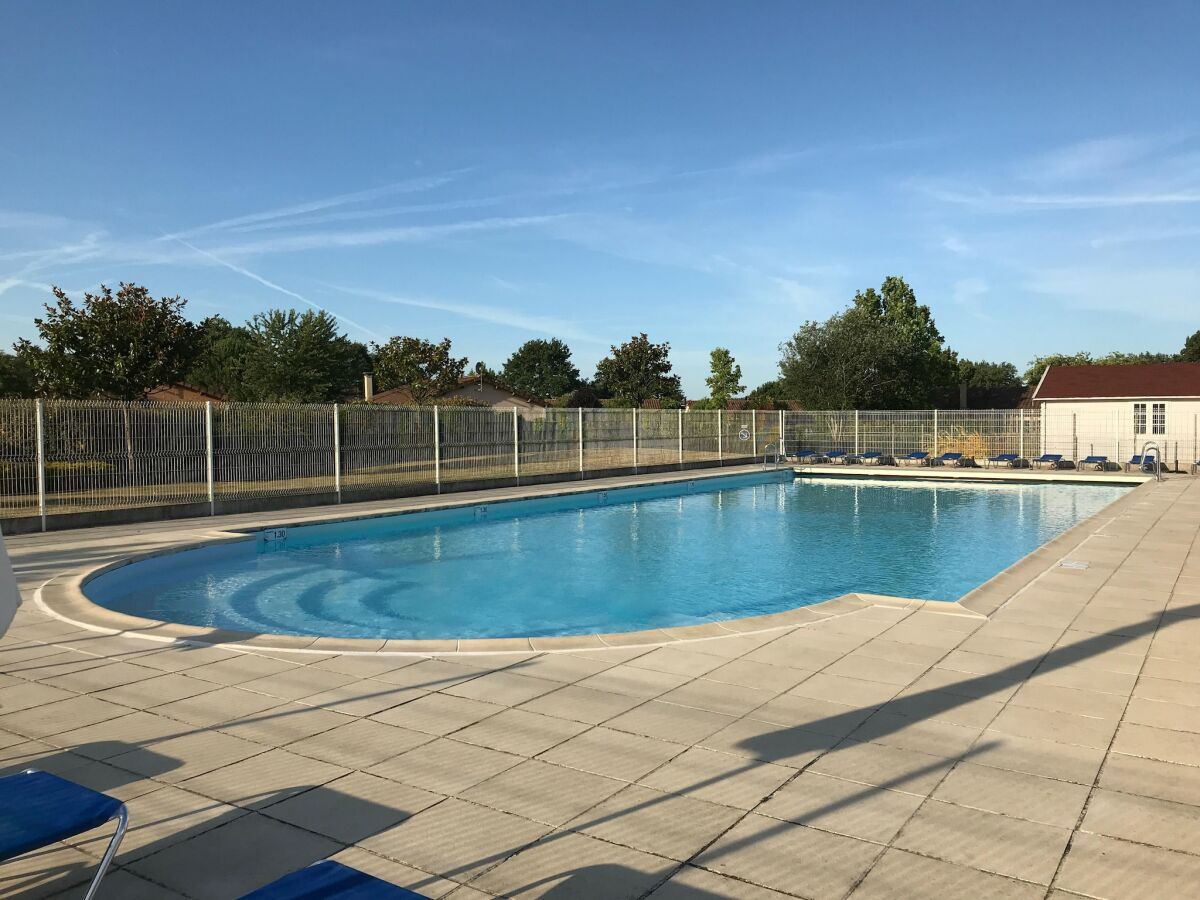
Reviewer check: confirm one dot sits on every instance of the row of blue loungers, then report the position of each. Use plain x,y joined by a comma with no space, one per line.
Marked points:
38,809
1011,460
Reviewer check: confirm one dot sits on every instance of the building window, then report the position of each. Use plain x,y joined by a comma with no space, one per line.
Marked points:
1158,419
1139,418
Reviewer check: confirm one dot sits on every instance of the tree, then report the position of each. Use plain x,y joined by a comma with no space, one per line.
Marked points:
301,358
637,371
1191,349
541,368
883,352
425,368
15,378
114,345
983,374
768,395
726,378
1114,358
222,352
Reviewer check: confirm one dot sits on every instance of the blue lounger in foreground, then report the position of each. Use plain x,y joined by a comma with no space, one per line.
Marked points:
834,455
1003,459
1098,461
1048,459
871,456
329,879
952,458
38,809
1137,461
920,457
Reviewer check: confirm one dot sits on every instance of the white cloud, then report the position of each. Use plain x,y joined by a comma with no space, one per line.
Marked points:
957,246
1090,158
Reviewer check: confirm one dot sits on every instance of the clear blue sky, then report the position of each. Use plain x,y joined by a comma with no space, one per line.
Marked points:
710,173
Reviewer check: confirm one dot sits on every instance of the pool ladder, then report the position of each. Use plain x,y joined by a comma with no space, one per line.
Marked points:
767,452
1157,466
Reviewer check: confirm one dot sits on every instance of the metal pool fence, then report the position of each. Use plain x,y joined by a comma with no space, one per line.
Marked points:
61,458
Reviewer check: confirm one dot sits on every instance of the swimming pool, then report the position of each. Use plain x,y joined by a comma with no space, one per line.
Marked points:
607,561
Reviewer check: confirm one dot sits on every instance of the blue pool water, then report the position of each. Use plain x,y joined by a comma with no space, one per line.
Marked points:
603,562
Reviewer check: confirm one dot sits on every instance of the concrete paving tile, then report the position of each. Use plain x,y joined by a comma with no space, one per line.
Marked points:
238,669
25,695
942,706
121,884
1061,727
284,724
901,651
752,739
693,884
764,851
1151,778
889,767
1158,743
51,663
1172,670
153,691
1102,867
361,698
424,883
353,807
987,841
180,758
900,875
46,872
727,699
984,641
751,674
821,716
663,824
543,792
1144,820
1086,679
181,657
264,779
844,807
868,668
1014,794
962,684
364,666
573,865
120,735
565,668
99,678
504,688
582,704
923,735
456,838
1161,714
437,713
692,660
229,861
613,753
1053,698
847,691
792,654
519,732
160,818
62,715
988,664
669,722
215,707
297,682
630,681
445,766
429,675
718,778
1033,756
359,744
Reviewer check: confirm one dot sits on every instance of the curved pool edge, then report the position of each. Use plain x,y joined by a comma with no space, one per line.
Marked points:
62,597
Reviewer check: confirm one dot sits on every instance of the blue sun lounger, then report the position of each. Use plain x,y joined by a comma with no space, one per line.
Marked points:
871,457
952,458
833,456
1144,463
919,457
329,880
1048,459
1003,459
1099,462
804,454
38,809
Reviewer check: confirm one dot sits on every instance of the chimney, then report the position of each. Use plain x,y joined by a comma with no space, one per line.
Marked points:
368,386
962,396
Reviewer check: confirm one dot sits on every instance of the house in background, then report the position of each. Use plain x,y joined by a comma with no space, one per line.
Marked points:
182,393
1114,410
474,387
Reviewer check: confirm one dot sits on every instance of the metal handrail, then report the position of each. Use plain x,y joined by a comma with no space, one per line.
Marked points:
1157,458
767,453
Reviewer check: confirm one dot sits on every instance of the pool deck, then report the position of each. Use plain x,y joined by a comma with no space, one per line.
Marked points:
1040,739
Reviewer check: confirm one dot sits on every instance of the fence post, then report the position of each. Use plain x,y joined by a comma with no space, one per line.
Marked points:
1074,438
209,467
437,450
782,451
681,437
40,424
754,434
856,433
935,433
1021,433
635,447
516,447
581,442
720,447
337,453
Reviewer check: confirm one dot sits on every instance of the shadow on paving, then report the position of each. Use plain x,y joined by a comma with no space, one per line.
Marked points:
315,805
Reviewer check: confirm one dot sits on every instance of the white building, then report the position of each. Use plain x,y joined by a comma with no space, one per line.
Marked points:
1114,410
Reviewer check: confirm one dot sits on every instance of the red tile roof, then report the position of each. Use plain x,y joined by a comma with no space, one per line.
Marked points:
1179,379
